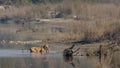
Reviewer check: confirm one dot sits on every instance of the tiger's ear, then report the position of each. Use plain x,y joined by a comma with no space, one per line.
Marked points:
46,45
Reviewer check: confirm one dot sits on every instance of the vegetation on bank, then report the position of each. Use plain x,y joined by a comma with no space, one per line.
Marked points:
20,2
98,20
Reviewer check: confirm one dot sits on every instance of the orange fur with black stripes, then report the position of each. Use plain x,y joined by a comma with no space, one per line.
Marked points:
40,49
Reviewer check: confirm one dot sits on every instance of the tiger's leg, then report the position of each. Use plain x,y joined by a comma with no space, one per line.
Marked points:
47,50
42,51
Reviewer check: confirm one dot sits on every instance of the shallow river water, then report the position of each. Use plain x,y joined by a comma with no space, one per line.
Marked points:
13,58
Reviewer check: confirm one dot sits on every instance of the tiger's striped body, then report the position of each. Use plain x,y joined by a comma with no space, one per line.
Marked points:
39,49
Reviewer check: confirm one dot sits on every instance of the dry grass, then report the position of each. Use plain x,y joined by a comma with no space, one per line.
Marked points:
98,21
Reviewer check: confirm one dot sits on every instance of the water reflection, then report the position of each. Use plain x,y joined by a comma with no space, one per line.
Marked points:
17,59
98,63
110,61
105,61
69,60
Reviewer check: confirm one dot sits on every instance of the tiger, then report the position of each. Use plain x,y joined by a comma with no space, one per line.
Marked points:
40,49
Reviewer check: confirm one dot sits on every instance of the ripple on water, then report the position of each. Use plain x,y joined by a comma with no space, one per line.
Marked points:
23,53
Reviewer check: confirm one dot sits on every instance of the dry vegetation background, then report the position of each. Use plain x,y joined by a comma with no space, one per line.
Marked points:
99,20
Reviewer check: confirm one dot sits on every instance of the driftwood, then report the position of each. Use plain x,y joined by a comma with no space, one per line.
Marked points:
104,53
68,51
104,49
68,55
